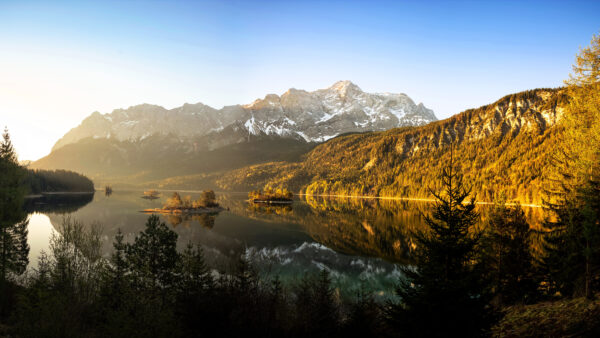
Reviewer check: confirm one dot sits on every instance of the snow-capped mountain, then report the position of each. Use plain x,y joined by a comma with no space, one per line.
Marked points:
313,116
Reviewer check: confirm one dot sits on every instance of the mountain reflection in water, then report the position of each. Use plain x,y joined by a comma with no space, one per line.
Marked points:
360,241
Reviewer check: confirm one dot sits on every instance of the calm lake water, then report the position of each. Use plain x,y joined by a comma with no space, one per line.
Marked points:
359,241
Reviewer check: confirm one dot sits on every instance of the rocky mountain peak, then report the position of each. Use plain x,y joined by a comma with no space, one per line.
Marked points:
313,116
345,88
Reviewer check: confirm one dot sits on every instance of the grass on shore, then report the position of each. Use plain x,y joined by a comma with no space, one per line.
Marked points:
578,317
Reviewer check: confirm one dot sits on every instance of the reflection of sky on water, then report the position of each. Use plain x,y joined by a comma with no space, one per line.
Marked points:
356,240
40,230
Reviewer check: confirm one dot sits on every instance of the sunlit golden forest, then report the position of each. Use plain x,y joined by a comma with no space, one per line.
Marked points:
504,146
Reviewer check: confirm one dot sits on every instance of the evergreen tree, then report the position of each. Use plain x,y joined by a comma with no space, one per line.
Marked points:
7,150
303,306
153,256
116,279
324,307
364,318
277,308
120,306
443,295
195,276
61,295
154,266
14,249
196,292
572,259
316,308
506,254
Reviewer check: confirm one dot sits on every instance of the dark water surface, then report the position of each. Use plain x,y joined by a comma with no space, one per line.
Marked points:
359,241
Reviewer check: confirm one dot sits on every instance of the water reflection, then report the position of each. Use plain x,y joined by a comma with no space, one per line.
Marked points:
368,227
40,231
269,209
187,220
57,203
355,239
362,227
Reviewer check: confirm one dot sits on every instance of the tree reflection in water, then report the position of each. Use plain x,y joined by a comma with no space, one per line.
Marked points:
186,220
58,203
368,227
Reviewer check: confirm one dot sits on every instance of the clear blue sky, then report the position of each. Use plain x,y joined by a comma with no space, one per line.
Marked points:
60,61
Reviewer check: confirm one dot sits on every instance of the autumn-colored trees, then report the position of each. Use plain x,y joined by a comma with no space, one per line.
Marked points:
573,190
207,199
270,194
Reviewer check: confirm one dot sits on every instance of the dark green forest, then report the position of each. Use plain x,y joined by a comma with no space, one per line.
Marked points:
38,181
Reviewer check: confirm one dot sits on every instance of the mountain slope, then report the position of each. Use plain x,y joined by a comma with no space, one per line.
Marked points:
148,143
312,116
502,146
158,157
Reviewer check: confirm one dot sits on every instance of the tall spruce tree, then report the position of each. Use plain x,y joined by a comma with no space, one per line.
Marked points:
572,260
506,254
14,249
444,294
116,281
153,257
315,306
195,275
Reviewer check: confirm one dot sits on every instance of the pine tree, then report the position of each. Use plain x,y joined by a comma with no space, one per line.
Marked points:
7,151
443,295
153,256
324,306
196,278
118,304
506,254
315,306
573,196
364,318
14,249
116,279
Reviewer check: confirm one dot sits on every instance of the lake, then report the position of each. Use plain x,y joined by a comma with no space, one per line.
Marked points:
361,242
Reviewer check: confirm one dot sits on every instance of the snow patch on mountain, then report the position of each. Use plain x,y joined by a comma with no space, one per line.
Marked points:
315,116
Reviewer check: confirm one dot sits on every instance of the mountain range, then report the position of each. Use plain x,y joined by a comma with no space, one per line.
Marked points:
310,116
144,143
335,141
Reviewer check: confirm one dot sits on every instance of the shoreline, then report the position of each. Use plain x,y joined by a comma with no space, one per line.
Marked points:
183,211
42,194
414,199
271,202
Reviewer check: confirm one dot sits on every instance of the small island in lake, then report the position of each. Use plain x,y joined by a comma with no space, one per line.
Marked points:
151,195
270,196
207,203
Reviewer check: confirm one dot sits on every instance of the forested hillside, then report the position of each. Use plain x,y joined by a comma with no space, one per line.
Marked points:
37,181
504,146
